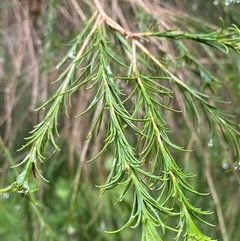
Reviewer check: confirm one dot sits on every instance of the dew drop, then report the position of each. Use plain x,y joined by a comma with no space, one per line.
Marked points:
237,167
38,42
71,230
152,188
6,195
17,207
224,166
227,2
71,55
210,143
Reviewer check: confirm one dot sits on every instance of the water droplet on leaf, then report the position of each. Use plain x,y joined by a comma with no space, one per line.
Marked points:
227,2
17,207
71,55
224,166
210,143
6,195
71,230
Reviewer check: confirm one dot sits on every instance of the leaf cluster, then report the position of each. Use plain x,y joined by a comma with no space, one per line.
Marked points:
133,89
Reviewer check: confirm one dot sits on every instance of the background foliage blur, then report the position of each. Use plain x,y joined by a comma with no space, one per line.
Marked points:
33,37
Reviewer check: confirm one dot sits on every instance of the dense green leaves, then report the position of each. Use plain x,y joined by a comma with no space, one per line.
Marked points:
132,89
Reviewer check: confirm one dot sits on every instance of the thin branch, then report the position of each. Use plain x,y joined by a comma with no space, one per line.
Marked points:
79,10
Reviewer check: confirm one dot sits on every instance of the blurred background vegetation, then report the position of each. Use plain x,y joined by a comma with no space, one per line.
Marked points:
34,35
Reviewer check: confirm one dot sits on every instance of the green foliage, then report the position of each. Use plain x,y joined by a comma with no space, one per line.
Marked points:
131,81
